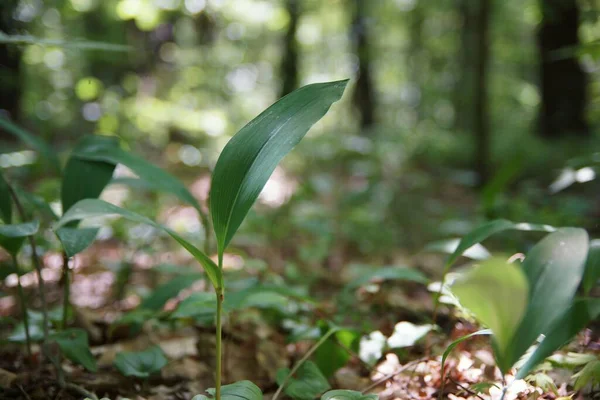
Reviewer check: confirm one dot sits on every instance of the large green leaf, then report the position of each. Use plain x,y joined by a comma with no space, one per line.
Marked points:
249,158
154,177
74,345
5,201
592,267
75,240
496,293
347,395
564,329
31,140
306,384
388,274
159,296
85,179
89,208
19,230
334,353
554,268
242,390
141,364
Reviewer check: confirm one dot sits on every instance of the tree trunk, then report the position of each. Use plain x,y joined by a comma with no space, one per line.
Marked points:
364,95
563,82
10,65
482,123
289,64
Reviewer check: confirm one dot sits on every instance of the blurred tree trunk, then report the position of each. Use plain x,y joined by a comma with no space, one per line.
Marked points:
463,95
480,98
289,64
563,82
364,94
10,64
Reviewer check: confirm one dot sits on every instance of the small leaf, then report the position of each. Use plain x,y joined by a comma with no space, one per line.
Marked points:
496,293
564,329
590,374
457,342
19,230
86,179
75,240
388,274
592,267
5,201
34,142
74,345
242,390
306,384
333,353
347,395
95,208
554,268
250,157
159,296
196,305
141,364
407,334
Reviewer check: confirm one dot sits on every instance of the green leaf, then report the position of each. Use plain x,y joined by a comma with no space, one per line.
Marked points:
69,43
95,208
34,142
589,374
196,305
13,235
75,240
306,384
74,345
5,201
459,341
331,355
249,158
388,274
159,296
85,179
140,364
154,177
554,268
242,390
347,395
592,267
496,293
564,329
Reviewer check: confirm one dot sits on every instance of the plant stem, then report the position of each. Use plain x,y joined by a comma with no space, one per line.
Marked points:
36,263
67,290
23,305
220,297
309,353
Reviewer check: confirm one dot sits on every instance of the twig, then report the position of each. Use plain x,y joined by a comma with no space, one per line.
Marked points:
393,374
21,293
24,392
67,290
81,391
303,360
466,389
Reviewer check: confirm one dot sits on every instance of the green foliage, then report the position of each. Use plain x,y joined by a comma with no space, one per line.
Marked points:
74,345
13,235
306,384
5,201
592,267
75,240
334,353
458,341
497,293
388,274
250,157
160,295
242,390
590,374
347,395
141,364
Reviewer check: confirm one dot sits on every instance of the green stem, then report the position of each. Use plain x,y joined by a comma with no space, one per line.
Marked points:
67,291
21,293
309,353
220,298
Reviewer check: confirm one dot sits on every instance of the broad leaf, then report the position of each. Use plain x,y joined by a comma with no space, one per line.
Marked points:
12,236
592,267
31,140
496,293
306,384
242,390
388,274
333,354
74,345
554,268
196,305
347,395
95,208
141,364
5,201
159,296
249,158
590,374
85,179
75,240
564,329
154,177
